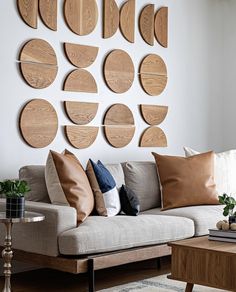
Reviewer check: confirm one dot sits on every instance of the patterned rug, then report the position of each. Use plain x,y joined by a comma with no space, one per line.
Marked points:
158,284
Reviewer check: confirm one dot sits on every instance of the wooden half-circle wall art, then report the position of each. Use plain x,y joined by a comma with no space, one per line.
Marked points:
28,10
161,26
119,71
153,74
81,15
153,137
81,113
81,136
119,136
146,24
80,80
79,55
38,123
38,63
118,114
127,20
48,13
153,114
110,18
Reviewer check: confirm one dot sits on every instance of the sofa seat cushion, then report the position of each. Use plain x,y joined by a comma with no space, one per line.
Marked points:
103,234
204,217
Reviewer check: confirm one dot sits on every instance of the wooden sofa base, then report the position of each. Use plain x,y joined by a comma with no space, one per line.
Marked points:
92,263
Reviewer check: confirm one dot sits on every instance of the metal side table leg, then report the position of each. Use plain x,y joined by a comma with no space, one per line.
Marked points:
7,255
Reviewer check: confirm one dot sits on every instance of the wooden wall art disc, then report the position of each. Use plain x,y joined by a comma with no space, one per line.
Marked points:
38,51
80,80
110,18
161,26
81,113
127,20
38,123
153,137
153,84
48,13
119,71
118,114
81,15
153,64
153,114
119,137
81,136
146,24
81,56
28,10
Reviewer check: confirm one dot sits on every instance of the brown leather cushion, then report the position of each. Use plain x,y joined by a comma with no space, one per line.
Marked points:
187,181
67,183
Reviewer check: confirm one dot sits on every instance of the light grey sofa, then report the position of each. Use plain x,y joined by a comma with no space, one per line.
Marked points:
100,242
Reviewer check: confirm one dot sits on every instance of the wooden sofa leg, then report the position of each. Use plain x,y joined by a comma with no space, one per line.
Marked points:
91,284
158,263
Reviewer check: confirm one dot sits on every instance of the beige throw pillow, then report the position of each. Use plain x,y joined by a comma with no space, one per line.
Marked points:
186,181
67,183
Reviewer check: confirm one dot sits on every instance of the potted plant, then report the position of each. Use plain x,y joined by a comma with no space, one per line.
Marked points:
14,191
230,204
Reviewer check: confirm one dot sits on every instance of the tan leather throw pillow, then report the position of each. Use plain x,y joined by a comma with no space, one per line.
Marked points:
187,181
67,183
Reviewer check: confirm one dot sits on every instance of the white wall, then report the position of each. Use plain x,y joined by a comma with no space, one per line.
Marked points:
193,93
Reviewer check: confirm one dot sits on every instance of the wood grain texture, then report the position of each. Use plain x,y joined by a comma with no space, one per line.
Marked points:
38,51
38,75
48,13
28,10
119,71
161,26
79,55
81,137
81,15
146,24
127,20
204,262
119,136
153,137
153,84
38,123
81,113
153,64
80,80
117,115
110,18
153,114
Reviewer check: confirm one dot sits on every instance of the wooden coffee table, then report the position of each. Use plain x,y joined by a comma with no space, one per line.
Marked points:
204,262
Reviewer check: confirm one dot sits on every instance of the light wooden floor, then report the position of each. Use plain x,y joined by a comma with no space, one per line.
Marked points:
45,280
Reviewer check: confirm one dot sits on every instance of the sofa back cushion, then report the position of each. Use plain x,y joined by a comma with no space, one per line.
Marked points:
34,175
117,172
142,179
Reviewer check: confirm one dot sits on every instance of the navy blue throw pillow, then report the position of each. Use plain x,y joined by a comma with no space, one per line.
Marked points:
129,201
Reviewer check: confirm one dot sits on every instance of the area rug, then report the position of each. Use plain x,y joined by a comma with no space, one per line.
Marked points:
158,284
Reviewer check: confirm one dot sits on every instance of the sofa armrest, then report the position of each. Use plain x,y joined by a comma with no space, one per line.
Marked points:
41,237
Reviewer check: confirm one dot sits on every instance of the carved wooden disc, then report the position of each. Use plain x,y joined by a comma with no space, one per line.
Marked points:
118,114
153,137
28,11
110,18
80,80
153,114
38,123
38,51
127,20
81,15
153,84
48,13
153,64
81,56
81,136
81,113
119,137
146,24
119,71
38,75
161,26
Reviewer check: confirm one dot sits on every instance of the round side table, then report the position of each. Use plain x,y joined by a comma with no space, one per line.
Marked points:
7,253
